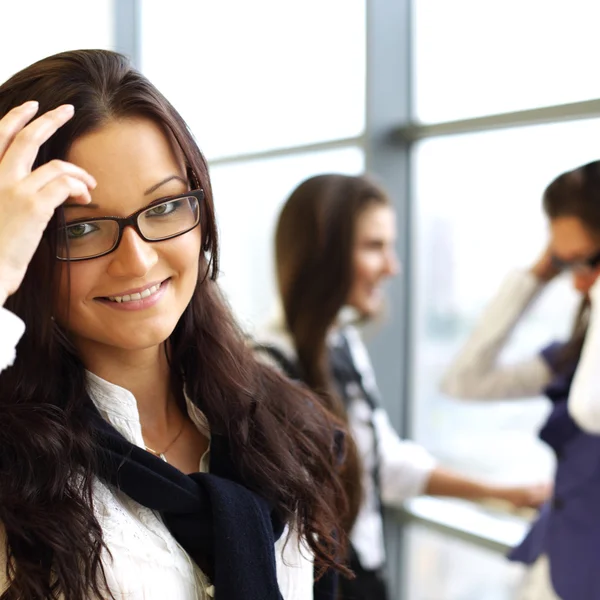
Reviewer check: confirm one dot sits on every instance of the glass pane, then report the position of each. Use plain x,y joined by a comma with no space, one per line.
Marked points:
248,197
74,25
443,568
250,76
478,215
473,58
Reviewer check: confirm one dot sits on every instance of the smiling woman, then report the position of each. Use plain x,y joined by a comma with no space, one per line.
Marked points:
144,452
135,165
334,250
566,534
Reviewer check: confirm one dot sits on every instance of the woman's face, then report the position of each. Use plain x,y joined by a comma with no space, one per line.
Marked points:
374,258
134,163
573,245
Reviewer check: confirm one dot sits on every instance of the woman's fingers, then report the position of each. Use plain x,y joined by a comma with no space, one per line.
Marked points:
60,189
43,175
13,122
21,153
28,200
23,219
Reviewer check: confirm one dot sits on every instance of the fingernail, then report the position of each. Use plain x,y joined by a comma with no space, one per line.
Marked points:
31,105
67,108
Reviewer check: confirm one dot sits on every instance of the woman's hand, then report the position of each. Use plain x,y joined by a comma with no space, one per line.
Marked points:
527,496
447,483
28,199
544,268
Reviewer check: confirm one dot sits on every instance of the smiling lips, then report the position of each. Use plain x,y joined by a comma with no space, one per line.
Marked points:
146,293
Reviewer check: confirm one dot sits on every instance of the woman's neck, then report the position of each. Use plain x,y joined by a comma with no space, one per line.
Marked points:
145,373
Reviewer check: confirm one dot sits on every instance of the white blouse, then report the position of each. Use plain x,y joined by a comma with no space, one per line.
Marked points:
584,399
147,562
405,467
476,372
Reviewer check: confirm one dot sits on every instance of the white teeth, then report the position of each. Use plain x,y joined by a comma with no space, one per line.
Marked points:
137,295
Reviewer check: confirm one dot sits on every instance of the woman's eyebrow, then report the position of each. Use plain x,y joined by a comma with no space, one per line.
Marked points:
90,205
161,183
146,193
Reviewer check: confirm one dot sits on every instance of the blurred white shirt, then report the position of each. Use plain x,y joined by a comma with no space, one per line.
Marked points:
584,398
404,467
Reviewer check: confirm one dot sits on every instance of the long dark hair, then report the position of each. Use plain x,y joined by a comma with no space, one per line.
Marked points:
576,194
281,444
314,245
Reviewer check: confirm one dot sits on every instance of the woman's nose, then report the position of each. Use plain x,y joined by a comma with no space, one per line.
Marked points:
134,257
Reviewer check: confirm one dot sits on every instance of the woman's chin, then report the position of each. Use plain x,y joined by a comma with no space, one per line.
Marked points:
371,308
128,340
141,340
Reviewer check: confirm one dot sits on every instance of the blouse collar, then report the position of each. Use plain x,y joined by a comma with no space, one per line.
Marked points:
119,407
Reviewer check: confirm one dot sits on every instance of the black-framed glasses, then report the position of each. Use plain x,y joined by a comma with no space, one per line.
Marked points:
91,238
579,266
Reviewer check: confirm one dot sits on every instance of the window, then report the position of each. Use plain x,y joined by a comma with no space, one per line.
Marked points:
253,76
33,31
445,568
476,58
477,216
248,198
274,93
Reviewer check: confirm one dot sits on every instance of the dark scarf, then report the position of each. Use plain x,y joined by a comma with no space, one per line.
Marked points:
228,530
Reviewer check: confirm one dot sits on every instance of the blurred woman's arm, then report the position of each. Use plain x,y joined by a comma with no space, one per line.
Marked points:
476,372
443,482
408,470
584,398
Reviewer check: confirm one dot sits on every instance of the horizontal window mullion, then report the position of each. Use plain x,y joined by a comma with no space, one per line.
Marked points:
587,109
286,151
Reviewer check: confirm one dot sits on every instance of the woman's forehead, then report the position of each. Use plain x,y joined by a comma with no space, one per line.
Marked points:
133,153
571,239
132,145
134,163
377,218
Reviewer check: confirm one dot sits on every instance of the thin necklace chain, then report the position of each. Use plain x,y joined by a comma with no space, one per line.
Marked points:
162,454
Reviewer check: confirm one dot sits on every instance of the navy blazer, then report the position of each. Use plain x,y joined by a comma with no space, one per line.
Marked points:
567,529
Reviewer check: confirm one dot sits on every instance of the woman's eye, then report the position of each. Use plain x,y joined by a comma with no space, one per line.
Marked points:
163,209
374,245
80,230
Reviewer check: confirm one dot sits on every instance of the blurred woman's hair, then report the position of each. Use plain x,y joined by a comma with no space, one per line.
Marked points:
576,193
283,446
314,254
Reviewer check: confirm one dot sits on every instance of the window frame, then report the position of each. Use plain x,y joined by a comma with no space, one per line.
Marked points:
388,141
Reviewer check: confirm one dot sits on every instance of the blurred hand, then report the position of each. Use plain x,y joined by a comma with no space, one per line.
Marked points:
528,496
28,199
544,269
